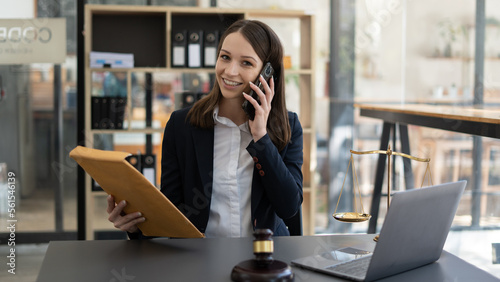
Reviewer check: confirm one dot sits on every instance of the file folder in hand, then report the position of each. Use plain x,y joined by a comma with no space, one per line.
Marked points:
119,178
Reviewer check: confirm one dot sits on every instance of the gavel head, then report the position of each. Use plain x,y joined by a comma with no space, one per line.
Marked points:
263,246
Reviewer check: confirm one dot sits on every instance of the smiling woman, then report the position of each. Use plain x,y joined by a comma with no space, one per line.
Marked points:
228,174
244,49
237,66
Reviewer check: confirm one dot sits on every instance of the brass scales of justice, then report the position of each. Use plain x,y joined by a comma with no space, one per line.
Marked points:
360,216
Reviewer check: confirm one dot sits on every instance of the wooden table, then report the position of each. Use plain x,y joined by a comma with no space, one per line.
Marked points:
480,122
468,120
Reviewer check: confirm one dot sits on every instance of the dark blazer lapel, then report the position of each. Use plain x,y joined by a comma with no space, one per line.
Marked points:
203,140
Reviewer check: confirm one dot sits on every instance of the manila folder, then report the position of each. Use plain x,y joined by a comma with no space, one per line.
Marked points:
119,178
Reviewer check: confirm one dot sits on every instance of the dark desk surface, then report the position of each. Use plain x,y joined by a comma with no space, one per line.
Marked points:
480,122
213,259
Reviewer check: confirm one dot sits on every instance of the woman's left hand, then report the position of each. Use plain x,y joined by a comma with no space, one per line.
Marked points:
258,126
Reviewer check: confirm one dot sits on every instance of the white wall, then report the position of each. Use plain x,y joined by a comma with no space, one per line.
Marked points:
17,9
402,63
378,49
424,72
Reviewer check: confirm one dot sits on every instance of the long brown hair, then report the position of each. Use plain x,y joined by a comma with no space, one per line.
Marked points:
268,47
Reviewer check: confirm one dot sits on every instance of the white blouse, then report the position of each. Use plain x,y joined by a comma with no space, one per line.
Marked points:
230,213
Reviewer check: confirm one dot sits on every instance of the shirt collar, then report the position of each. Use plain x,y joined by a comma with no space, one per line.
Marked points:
218,119
227,122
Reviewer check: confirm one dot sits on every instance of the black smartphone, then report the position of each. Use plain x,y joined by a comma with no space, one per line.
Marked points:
267,73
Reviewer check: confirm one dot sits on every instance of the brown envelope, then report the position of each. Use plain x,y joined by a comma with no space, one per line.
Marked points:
119,178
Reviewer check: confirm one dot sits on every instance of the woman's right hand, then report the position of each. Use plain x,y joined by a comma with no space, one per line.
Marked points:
122,221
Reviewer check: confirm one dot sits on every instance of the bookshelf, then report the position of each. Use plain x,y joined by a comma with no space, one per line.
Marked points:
146,32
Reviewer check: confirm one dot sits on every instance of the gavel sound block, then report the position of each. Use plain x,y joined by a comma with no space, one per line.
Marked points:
263,267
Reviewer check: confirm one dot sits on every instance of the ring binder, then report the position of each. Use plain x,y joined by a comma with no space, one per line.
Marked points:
195,49
121,104
185,99
112,112
96,112
108,112
200,95
211,40
149,167
104,120
179,39
145,164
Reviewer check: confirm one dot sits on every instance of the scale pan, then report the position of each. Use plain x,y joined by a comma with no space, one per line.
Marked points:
351,216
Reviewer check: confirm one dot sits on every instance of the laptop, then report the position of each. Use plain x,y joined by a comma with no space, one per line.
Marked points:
413,234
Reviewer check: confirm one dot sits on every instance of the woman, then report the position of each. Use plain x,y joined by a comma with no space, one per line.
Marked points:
230,175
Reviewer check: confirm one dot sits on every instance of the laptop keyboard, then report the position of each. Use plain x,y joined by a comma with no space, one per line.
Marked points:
356,268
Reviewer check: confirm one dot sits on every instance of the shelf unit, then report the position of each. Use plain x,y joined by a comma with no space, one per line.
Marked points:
156,23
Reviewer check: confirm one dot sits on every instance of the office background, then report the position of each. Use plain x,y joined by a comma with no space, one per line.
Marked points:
380,51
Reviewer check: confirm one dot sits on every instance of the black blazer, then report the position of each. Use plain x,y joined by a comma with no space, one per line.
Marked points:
187,174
